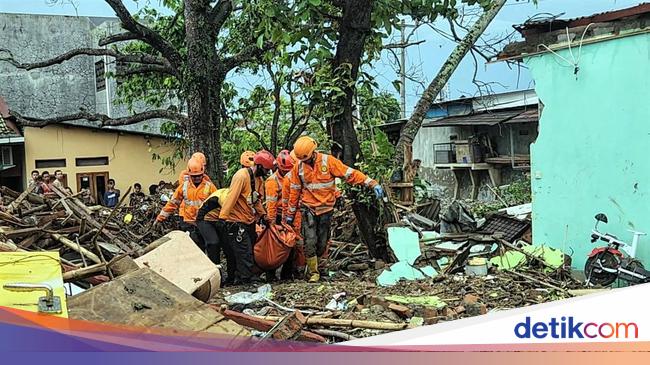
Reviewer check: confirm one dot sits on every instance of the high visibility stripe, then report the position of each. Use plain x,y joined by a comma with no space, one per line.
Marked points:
285,201
301,173
195,203
272,198
367,181
323,185
324,161
175,201
164,214
348,172
185,186
292,209
295,186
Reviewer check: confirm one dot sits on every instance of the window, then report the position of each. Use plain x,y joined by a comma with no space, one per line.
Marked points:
91,161
120,67
100,75
42,164
7,157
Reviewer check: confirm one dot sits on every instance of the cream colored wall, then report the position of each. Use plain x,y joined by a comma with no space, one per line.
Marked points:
129,155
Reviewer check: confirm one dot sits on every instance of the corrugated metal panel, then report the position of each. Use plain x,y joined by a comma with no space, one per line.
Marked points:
488,119
529,116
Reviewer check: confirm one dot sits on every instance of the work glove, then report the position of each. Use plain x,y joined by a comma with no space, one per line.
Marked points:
379,191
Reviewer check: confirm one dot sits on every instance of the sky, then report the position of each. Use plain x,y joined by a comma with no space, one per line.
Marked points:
423,60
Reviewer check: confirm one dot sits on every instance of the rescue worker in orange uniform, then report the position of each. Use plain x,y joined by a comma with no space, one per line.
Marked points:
241,209
313,185
196,156
187,199
298,253
275,207
211,229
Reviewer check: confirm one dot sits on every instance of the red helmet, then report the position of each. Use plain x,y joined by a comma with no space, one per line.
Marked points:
195,167
284,160
264,159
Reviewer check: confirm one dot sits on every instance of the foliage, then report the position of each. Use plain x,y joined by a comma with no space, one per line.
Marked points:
516,193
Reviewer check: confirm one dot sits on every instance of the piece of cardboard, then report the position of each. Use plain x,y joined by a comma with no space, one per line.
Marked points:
180,261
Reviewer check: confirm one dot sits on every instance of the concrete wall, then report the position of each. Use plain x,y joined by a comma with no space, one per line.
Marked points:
56,90
130,155
591,155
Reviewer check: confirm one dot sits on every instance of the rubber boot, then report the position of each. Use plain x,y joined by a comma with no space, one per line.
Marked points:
312,265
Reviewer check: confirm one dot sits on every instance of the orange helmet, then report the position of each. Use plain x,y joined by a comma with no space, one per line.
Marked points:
201,157
246,159
304,148
194,167
284,160
264,159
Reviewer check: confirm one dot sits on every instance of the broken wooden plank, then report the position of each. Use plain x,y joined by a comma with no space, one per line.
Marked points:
264,324
76,247
19,233
83,273
13,206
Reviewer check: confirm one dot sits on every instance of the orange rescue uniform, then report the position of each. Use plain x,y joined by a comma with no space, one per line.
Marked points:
286,192
188,199
315,186
241,205
273,189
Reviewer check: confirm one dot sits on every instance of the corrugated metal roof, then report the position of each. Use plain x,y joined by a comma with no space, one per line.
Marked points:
551,24
488,119
529,116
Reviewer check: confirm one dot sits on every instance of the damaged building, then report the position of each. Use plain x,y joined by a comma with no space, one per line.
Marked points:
591,155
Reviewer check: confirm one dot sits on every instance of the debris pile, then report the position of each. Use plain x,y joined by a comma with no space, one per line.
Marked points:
89,239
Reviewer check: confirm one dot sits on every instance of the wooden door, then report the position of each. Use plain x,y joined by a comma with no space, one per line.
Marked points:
95,182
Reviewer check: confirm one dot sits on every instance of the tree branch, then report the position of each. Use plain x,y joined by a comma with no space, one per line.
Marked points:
246,55
120,37
402,45
142,69
146,34
104,120
220,13
257,135
134,58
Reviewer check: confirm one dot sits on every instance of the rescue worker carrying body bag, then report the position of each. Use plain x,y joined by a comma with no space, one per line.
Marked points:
241,209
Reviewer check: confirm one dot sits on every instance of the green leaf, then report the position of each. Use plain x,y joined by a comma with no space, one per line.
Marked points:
260,41
315,2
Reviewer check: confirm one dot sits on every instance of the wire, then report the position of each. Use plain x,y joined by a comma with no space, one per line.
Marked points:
27,259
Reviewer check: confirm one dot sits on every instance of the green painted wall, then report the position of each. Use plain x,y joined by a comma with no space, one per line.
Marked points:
593,150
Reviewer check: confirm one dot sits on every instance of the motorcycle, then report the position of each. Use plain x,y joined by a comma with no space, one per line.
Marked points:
608,263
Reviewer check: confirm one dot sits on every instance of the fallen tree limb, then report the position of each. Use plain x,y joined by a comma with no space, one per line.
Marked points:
351,323
264,325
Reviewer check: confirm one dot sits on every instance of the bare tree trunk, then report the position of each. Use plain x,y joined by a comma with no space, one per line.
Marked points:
202,84
355,26
415,121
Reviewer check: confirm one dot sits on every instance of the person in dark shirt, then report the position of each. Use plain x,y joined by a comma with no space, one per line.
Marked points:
111,196
137,196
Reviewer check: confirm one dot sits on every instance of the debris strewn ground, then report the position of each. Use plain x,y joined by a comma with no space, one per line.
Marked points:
442,266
